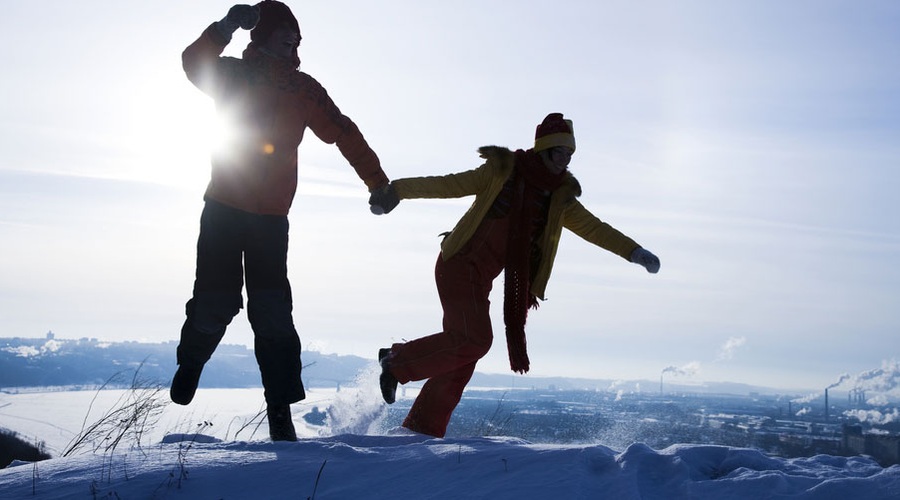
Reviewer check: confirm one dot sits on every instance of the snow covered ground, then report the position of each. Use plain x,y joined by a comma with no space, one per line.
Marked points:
419,467
215,449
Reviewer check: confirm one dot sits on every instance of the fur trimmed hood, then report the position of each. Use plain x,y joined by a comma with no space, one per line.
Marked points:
506,155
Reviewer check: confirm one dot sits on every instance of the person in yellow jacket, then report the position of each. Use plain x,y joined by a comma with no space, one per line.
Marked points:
523,200
269,105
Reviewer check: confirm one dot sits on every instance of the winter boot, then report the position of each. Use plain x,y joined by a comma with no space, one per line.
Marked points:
184,384
281,425
387,380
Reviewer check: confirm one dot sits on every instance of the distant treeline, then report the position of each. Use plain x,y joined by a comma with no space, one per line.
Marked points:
88,362
14,448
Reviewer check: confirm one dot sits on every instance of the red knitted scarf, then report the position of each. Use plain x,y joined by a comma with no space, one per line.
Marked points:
530,177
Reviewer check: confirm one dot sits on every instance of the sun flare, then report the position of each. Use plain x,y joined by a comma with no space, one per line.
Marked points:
175,131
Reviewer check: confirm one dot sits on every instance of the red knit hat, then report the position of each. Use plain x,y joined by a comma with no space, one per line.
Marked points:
554,131
272,15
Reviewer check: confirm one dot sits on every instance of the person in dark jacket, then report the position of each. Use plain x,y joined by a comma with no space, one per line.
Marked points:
523,200
268,105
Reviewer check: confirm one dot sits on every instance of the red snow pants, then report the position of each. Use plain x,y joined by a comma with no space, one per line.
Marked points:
447,359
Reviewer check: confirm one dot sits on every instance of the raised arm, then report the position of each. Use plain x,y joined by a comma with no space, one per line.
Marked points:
200,59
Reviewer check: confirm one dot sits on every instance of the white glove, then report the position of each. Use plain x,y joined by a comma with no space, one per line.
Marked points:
645,258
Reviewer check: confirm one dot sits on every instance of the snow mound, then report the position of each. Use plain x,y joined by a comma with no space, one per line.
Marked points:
191,438
422,467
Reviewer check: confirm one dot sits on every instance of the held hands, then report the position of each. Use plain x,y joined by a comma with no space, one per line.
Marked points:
645,258
239,16
384,199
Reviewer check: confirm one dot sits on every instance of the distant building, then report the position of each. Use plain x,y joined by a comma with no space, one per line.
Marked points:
884,448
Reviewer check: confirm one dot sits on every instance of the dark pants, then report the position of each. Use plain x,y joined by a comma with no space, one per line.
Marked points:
234,244
447,359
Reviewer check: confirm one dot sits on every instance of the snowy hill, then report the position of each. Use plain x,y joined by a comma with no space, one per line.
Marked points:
217,448
420,467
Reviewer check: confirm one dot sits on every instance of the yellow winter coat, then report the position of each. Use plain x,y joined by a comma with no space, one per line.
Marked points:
486,181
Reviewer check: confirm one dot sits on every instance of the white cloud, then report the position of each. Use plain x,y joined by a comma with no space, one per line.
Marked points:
728,349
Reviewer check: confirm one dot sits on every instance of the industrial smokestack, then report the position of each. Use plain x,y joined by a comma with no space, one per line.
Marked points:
826,404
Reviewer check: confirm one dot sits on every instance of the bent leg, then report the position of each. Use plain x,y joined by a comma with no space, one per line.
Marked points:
467,334
448,358
208,314
430,413
216,297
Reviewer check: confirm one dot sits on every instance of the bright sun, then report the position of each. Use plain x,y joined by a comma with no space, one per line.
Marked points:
174,130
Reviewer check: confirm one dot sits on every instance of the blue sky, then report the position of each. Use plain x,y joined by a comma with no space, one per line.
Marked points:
753,146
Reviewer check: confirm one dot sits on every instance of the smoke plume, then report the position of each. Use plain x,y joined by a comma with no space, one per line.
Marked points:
731,345
807,399
874,416
884,379
687,370
840,381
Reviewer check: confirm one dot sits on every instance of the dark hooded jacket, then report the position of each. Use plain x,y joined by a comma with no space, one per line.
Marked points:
266,104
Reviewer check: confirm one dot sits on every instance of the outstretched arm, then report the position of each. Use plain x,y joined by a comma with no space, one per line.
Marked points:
333,127
582,222
455,185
